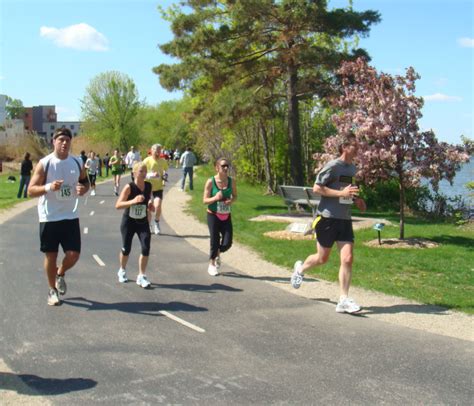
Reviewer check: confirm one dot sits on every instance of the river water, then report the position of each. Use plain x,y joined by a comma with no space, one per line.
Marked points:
465,175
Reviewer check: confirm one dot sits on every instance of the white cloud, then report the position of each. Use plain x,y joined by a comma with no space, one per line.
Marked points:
442,97
79,36
466,42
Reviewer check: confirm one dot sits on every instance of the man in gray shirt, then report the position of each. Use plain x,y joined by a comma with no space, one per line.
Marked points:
187,161
333,224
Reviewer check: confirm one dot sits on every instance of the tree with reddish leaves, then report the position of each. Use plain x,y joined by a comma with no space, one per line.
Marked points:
383,112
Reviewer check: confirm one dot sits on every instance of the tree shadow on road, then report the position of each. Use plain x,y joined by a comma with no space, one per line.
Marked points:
197,288
144,308
202,236
37,386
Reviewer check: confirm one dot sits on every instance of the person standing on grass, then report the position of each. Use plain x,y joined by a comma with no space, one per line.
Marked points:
220,192
135,198
187,161
156,175
335,183
58,180
106,164
25,176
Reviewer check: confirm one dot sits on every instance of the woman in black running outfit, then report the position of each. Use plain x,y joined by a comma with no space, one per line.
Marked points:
135,199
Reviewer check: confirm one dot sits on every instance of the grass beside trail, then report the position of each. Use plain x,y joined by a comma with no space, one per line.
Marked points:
441,276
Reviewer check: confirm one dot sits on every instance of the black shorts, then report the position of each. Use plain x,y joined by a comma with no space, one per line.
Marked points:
92,179
158,194
330,230
64,232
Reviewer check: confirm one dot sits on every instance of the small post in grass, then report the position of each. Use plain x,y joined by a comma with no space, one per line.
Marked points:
379,227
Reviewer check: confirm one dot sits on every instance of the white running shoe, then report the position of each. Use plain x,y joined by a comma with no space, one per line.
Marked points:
122,276
212,270
297,276
218,262
93,193
143,281
53,298
156,227
347,305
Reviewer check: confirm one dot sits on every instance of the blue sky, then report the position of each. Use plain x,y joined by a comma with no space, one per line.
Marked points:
50,50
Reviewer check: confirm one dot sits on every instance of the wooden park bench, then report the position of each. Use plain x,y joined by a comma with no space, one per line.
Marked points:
299,195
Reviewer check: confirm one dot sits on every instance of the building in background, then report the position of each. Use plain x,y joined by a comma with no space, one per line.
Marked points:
50,127
3,109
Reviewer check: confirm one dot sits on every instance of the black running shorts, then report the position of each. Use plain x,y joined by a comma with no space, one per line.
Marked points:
158,194
330,230
66,233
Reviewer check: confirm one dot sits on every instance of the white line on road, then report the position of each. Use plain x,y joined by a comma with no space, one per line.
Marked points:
102,202
98,260
86,230
181,321
92,213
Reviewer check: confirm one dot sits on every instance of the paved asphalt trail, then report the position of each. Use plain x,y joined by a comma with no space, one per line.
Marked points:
108,343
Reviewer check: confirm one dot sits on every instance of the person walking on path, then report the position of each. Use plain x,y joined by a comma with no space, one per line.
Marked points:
187,161
220,192
58,180
333,222
25,176
156,175
92,166
116,166
135,198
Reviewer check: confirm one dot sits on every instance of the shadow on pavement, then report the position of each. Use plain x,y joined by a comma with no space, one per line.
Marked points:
277,279
144,308
197,288
406,308
43,386
203,237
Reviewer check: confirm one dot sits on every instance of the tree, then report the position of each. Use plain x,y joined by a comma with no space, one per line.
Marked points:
383,112
14,108
110,109
289,45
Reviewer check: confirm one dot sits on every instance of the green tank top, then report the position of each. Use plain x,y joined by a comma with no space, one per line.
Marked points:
220,207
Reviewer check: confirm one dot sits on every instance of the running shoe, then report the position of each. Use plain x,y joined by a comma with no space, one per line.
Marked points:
61,284
122,276
297,276
218,262
347,305
53,298
143,281
93,193
156,228
212,270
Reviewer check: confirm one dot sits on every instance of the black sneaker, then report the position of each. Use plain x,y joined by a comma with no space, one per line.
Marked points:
61,284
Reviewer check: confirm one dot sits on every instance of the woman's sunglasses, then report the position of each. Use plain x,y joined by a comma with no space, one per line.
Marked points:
225,166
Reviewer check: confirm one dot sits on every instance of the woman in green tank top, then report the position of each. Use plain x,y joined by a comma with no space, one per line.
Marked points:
220,192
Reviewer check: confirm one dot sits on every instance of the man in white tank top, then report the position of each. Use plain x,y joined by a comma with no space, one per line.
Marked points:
58,180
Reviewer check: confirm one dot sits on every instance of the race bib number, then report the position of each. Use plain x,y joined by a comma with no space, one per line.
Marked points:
65,192
223,208
345,200
138,211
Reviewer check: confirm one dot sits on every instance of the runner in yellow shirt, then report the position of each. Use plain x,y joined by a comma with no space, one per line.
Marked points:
156,175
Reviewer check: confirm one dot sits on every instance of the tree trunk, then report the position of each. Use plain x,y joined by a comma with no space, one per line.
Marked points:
266,158
294,136
402,208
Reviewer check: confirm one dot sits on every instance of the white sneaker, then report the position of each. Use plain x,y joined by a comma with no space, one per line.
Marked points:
122,276
297,277
212,270
143,281
347,305
156,228
53,298
93,193
218,262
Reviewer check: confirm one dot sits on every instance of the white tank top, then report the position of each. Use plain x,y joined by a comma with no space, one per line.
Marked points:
61,204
